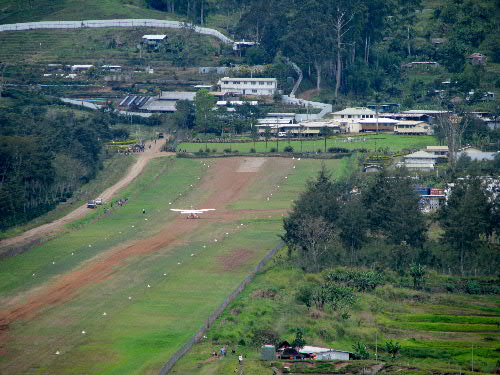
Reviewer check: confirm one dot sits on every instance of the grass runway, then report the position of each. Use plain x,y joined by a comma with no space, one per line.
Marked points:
137,335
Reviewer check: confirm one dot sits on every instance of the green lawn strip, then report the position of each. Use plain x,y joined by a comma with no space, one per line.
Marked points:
123,223
431,318
369,142
113,171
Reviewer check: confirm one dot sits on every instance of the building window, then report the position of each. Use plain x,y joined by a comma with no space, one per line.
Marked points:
254,91
341,116
236,82
269,83
254,83
261,83
349,116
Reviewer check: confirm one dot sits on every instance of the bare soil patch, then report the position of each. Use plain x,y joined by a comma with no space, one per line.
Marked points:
251,165
234,260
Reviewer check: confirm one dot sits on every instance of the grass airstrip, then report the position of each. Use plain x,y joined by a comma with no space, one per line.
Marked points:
139,312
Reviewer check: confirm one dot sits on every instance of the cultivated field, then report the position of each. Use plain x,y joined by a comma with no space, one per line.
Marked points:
439,333
368,142
126,290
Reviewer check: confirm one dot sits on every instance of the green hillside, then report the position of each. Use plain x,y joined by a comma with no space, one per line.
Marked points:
12,11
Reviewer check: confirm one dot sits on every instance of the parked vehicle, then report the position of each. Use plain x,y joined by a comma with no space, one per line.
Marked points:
91,204
99,201
161,135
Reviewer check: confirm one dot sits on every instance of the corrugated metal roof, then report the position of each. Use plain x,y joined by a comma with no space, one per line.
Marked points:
420,155
355,111
154,37
177,95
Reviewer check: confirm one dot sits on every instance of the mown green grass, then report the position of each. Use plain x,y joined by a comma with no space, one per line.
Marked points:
369,142
137,335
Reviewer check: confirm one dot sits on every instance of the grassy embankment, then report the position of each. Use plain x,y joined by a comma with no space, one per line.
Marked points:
139,335
369,142
113,170
436,331
88,46
74,10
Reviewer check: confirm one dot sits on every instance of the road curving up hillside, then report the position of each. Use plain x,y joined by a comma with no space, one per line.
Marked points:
31,237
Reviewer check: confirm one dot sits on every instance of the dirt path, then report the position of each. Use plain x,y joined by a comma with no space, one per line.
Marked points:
34,235
225,184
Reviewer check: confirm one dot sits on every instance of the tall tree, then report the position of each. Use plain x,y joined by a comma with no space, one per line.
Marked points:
465,218
204,103
341,18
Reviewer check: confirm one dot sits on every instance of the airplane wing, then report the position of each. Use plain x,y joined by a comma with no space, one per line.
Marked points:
192,211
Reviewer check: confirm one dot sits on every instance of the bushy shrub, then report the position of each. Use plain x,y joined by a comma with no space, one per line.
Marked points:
288,149
359,279
252,150
214,150
338,149
227,150
273,149
264,336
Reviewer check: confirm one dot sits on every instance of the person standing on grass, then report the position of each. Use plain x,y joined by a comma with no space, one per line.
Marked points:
240,359
143,210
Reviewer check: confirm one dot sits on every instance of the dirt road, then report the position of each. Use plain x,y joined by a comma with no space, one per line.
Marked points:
35,235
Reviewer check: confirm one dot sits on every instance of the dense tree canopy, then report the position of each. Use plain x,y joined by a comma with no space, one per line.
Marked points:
46,152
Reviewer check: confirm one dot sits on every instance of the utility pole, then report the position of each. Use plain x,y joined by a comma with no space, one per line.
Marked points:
472,359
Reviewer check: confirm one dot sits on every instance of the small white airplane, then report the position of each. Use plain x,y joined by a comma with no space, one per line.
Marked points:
193,214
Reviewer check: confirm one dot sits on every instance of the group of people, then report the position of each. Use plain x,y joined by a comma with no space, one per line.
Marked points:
120,202
223,353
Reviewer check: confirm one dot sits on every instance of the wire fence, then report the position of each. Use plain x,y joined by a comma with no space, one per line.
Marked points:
215,314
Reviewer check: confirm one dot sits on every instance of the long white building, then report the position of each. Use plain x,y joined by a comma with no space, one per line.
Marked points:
249,86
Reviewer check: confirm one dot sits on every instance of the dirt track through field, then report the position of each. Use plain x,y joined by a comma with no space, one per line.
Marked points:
225,186
34,235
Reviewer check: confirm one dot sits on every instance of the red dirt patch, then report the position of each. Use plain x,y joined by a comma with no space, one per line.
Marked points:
234,260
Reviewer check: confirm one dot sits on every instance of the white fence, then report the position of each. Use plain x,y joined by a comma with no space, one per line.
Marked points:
325,108
114,23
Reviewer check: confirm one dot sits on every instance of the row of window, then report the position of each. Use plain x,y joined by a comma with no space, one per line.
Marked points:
357,116
261,83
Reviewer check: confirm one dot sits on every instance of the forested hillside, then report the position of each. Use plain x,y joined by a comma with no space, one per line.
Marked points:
46,152
360,50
